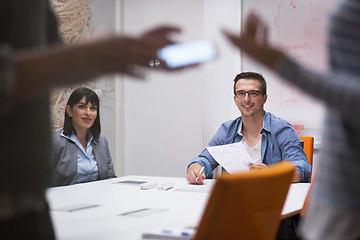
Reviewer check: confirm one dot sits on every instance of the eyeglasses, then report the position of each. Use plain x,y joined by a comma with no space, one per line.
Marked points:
251,93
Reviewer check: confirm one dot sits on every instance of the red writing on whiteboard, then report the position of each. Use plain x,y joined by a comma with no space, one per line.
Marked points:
286,47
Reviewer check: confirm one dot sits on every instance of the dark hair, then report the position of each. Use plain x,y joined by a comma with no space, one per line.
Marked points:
252,75
75,97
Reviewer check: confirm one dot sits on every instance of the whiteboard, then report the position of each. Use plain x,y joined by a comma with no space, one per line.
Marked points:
298,27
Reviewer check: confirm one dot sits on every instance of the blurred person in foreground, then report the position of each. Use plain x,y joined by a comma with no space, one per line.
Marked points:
32,62
333,210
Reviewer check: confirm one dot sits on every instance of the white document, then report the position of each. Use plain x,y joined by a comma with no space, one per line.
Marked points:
76,207
232,157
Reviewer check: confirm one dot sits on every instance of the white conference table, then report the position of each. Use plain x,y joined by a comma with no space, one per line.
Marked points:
180,207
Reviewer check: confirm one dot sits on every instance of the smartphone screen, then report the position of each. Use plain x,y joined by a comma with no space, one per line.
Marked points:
188,53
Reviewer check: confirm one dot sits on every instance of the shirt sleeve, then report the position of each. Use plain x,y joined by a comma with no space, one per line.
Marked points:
110,166
291,150
205,159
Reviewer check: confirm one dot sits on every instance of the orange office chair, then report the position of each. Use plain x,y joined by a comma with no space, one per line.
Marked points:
246,205
309,150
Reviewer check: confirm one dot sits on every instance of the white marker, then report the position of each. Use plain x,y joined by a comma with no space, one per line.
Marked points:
166,186
148,185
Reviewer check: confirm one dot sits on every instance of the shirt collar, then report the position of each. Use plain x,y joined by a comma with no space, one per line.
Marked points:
240,129
266,124
73,137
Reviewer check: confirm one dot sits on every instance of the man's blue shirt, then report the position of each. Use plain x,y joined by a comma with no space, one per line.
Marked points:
279,142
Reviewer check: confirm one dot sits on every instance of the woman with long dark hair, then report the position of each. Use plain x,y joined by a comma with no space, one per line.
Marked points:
81,153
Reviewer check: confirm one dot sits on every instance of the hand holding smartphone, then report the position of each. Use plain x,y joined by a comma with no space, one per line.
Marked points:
188,53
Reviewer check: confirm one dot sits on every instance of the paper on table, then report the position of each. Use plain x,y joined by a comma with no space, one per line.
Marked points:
233,157
75,207
143,212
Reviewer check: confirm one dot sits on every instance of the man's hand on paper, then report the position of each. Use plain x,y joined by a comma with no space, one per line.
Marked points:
257,166
193,175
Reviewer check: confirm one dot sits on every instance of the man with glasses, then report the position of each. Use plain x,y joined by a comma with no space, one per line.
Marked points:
267,138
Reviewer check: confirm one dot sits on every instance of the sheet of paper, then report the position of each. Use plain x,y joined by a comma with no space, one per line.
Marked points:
143,212
232,157
76,207
131,182
206,187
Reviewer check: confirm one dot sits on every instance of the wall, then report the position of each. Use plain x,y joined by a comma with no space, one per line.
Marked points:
170,117
165,120
298,27
103,18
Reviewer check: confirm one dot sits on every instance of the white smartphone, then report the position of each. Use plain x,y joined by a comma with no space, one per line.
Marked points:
187,53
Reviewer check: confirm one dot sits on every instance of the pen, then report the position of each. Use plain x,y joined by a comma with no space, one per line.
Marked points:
201,171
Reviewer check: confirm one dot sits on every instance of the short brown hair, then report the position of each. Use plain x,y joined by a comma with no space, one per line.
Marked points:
252,75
